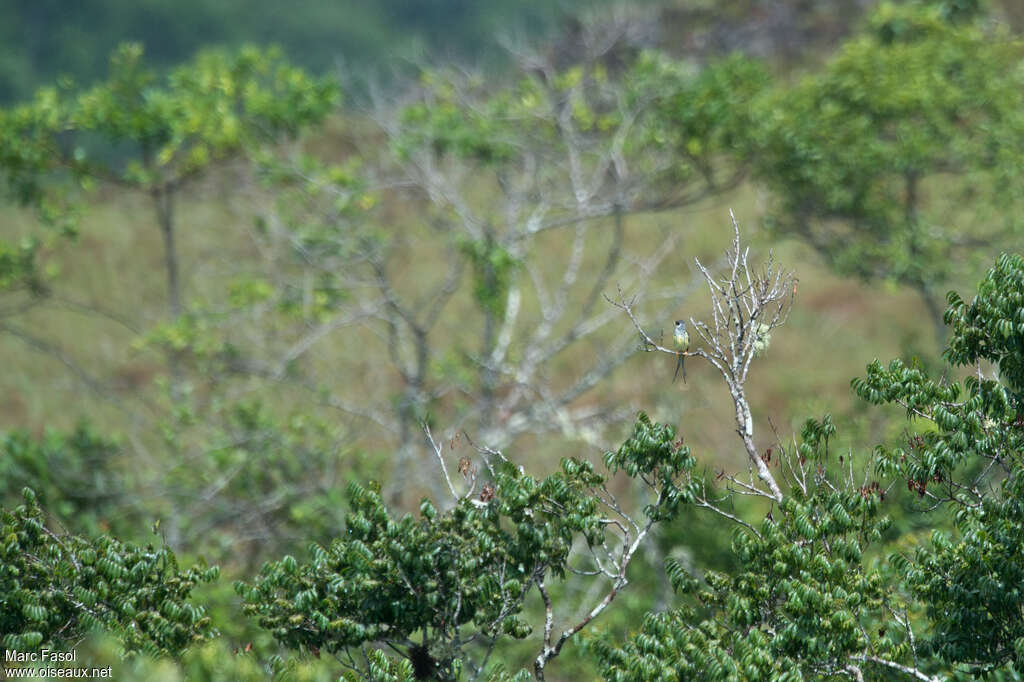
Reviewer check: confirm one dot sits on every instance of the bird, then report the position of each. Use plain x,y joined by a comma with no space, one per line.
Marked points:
762,339
682,342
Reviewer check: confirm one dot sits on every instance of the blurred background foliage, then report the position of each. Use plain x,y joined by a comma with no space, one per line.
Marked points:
49,39
877,150
45,40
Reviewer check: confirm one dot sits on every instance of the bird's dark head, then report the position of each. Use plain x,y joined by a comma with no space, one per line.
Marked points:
680,323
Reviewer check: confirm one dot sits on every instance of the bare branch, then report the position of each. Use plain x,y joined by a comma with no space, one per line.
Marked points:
905,669
440,459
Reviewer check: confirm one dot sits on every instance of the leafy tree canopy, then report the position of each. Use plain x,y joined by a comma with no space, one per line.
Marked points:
458,580
162,130
56,587
901,157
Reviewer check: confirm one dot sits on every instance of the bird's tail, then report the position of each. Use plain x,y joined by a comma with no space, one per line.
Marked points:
680,365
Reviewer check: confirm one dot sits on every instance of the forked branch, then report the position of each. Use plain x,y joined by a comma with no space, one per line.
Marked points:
747,303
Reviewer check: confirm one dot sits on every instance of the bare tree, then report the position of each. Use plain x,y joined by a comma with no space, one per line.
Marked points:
499,218
747,303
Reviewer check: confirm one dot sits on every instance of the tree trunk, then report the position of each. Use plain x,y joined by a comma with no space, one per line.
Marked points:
935,313
488,374
163,199
410,410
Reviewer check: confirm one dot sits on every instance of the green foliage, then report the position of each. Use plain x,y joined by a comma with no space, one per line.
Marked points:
960,433
440,122
677,125
964,424
875,159
968,582
801,601
138,130
697,114
380,668
653,452
152,133
211,661
385,580
195,340
76,477
812,591
19,272
812,599
971,582
55,588
959,10
493,270
247,481
208,109
991,327
28,137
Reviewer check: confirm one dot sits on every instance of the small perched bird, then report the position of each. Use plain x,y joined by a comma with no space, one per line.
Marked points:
762,339
682,342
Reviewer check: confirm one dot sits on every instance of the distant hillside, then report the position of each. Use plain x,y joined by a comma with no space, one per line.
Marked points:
41,40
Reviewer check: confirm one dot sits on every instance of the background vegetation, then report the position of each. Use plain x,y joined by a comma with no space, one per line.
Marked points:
241,286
